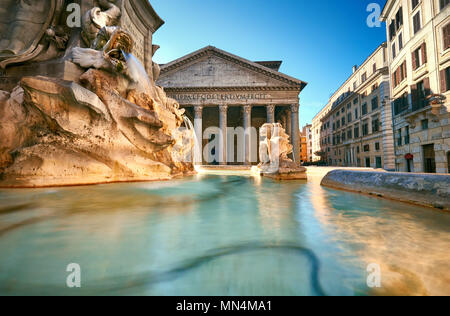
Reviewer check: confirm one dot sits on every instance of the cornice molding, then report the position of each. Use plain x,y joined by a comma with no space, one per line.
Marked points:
228,89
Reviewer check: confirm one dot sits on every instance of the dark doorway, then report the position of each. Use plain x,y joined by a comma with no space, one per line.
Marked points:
368,162
448,162
408,165
429,159
379,163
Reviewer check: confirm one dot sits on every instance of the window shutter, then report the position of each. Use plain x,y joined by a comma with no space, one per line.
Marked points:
426,86
414,96
404,69
399,80
424,53
393,80
413,55
443,81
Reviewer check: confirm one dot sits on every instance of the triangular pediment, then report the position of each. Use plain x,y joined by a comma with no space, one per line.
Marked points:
214,68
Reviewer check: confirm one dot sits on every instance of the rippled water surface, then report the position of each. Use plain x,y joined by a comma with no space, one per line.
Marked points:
219,235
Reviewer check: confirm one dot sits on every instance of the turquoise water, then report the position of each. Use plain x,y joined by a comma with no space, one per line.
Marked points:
218,235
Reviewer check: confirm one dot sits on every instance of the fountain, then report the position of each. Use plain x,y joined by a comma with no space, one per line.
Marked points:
274,150
109,124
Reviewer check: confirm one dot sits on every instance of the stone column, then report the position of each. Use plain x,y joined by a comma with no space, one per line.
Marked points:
198,126
248,134
270,113
289,124
295,131
223,152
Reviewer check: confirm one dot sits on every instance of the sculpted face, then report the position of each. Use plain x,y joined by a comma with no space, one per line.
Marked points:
22,23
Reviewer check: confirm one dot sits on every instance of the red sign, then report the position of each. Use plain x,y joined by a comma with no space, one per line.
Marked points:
409,157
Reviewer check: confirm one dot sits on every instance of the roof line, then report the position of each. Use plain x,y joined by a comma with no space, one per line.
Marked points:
169,66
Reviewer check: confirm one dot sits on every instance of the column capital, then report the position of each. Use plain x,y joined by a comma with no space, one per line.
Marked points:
247,109
294,108
271,108
198,109
223,109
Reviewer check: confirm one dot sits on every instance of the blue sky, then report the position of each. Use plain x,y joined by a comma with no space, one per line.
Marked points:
318,41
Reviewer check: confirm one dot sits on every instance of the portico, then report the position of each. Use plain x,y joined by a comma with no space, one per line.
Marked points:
221,90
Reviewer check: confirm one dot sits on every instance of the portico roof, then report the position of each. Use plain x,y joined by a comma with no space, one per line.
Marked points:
261,68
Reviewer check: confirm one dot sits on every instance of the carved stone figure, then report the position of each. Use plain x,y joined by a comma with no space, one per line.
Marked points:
273,153
25,19
107,14
113,124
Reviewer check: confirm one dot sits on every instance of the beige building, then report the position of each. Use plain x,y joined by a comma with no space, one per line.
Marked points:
419,58
317,131
355,130
307,132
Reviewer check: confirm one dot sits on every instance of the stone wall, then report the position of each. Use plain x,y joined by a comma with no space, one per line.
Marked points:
422,189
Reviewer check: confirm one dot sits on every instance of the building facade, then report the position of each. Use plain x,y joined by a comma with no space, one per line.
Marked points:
219,89
356,129
303,148
317,132
307,132
419,57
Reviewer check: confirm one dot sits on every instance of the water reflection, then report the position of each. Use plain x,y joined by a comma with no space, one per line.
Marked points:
218,235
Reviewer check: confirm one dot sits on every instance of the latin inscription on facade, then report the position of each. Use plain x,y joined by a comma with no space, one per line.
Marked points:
216,97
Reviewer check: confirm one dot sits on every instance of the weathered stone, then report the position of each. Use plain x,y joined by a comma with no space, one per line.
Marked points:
55,132
422,189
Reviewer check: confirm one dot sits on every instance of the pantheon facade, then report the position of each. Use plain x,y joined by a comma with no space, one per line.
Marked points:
219,89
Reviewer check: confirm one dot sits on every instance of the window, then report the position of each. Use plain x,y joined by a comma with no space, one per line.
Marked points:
349,106
375,125
356,131
443,3
364,77
354,85
355,101
338,124
446,36
349,117
365,128
374,103
417,22
364,109
414,3
445,79
394,53
399,74
374,68
356,114
377,146
358,150
343,121
407,135
420,91
366,148
399,137
391,30
424,124
401,104
419,56
349,134
343,136
399,18
400,42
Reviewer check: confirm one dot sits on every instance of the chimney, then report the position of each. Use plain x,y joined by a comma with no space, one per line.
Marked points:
355,68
